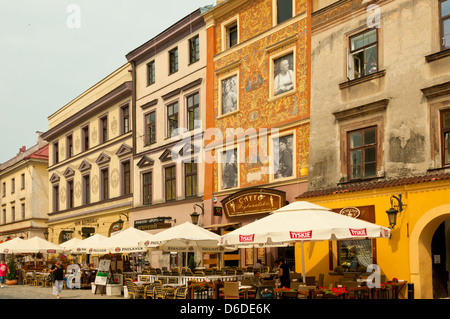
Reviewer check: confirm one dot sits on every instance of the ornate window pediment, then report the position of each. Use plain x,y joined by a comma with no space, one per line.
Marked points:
69,172
54,178
103,159
85,165
124,150
145,162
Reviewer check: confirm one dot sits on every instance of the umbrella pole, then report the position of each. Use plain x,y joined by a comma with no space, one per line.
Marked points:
303,261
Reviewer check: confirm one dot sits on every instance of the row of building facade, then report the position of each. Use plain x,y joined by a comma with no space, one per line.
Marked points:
242,107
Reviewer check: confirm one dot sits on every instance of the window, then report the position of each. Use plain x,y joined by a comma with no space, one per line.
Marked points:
190,179
13,185
231,35
445,23
150,73
363,55
13,214
284,10
85,138
362,153
150,128
70,194
173,60
56,198
170,183
125,113
126,171
22,206
194,49
4,216
69,141
22,181
55,153
355,253
4,189
445,125
193,110
104,129
86,189
147,188
104,184
172,119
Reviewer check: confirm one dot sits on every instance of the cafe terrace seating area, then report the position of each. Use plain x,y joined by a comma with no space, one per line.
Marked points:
235,283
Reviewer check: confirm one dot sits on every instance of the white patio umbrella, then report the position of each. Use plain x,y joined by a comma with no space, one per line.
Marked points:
8,247
127,241
185,237
38,245
86,245
69,244
298,222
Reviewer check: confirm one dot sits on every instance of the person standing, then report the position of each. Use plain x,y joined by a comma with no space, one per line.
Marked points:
58,273
3,271
285,277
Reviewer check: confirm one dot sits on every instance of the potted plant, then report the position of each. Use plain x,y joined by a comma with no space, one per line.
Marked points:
192,265
11,275
199,289
333,293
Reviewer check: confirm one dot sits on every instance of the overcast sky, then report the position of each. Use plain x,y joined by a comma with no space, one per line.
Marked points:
50,53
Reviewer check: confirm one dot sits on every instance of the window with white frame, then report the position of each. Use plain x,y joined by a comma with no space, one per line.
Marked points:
363,54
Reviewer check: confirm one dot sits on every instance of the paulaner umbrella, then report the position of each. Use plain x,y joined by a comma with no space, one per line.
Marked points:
298,222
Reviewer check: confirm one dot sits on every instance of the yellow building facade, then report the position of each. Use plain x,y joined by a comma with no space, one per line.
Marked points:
23,193
90,161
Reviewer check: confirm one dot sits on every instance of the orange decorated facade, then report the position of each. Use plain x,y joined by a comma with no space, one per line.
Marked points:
257,118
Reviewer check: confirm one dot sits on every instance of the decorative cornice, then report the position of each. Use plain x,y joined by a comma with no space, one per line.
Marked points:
228,67
378,106
437,56
181,89
436,90
123,90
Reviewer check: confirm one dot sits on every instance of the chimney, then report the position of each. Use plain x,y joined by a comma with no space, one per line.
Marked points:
22,149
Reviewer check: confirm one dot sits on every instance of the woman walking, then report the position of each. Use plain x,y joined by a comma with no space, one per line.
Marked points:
58,273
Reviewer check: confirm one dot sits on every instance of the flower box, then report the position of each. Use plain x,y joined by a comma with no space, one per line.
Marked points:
113,290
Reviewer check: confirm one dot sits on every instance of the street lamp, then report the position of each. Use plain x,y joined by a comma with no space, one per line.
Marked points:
392,212
120,221
195,216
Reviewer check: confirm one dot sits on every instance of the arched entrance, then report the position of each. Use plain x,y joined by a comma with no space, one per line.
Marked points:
440,259
429,246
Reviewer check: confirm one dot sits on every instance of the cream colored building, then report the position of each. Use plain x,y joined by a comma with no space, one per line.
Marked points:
23,193
90,160
170,75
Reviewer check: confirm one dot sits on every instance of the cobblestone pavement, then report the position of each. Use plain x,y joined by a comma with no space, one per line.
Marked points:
31,292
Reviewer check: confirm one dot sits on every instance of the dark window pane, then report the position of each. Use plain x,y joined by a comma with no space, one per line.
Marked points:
370,155
284,8
370,170
369,136
445,8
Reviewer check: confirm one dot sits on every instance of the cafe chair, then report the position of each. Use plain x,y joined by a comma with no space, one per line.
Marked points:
181,293
231,290
134,290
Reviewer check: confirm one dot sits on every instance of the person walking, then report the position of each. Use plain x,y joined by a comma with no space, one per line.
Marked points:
285,277
58,272
3,271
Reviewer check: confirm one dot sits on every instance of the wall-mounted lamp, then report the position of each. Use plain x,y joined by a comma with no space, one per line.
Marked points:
46,232
394,210
195,216
120,221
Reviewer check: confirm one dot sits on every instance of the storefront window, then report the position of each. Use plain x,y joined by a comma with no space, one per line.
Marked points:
355,254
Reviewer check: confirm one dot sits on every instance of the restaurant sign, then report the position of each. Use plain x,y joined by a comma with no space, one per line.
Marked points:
253,201
152,223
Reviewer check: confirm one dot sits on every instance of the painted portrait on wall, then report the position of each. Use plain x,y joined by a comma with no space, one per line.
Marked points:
229,95
229,169
284,76
283,156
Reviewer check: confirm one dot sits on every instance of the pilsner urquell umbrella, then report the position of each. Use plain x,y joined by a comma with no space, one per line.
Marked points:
8,247
38,245
127,241
298,222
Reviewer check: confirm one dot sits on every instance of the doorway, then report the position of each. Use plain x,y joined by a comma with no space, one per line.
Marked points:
440,246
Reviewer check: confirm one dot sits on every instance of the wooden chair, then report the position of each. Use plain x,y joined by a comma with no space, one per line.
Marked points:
158,291
231,272
199,273
319,282
272,283
231,290
209,272
310,280
358,293
172,280
148,291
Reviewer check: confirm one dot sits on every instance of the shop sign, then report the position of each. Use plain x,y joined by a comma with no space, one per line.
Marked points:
87,221
350,212
253,201
152,223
